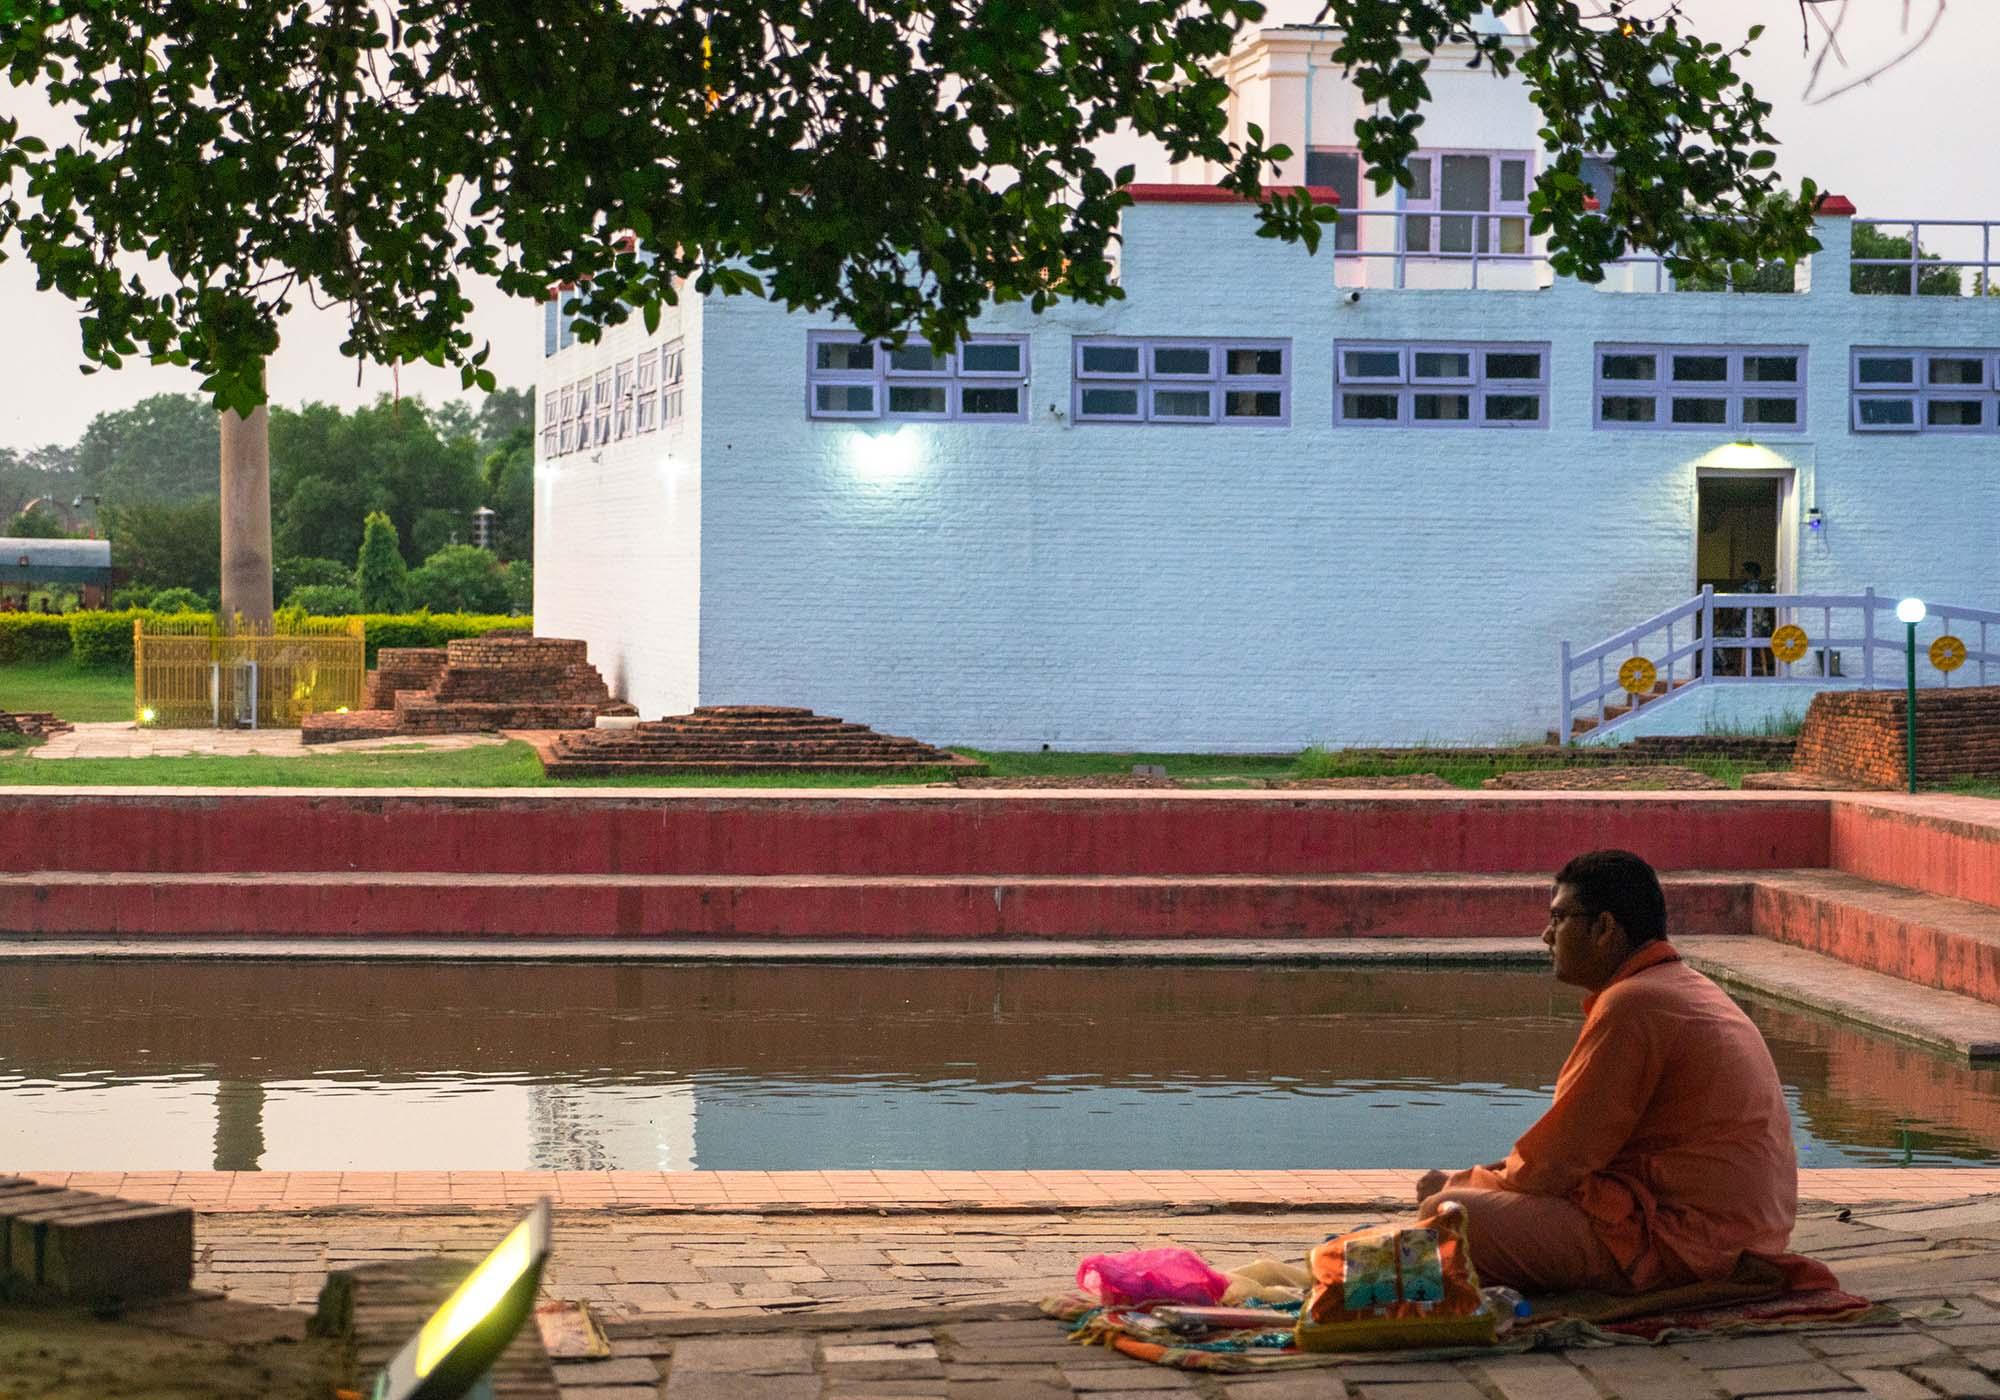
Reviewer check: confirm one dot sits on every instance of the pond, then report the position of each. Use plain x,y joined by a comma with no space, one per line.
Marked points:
310,1065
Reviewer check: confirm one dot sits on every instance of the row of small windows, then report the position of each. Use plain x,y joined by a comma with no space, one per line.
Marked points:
1925,391
634,396
1404,384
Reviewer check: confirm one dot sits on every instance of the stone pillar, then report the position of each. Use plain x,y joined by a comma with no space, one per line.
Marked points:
246,517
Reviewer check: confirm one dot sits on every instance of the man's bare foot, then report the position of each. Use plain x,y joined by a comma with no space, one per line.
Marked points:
1429,1184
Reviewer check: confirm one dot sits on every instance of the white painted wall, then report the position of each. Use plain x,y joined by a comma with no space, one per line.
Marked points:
618,532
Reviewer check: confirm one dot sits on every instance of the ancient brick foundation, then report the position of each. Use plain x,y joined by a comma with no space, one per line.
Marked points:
33,723
498,681
743,739
1857,736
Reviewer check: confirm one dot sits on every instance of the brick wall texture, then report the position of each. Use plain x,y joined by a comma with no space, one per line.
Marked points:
1859,736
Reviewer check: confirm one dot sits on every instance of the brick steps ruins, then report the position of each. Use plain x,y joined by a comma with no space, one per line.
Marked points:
1857,738
503,680
744,739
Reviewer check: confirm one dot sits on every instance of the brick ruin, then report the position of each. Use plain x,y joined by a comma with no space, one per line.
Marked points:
35,724
744,739
1857,736
503,680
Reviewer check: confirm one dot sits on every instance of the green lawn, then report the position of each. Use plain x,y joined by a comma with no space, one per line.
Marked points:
514,765
70,691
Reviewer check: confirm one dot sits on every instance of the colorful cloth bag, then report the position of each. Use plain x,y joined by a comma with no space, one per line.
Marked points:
1396,1286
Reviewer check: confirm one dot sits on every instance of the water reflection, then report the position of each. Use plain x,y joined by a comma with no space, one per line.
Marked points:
371,1065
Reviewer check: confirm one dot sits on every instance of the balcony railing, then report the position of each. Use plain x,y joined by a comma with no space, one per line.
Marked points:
1411,248
1936,255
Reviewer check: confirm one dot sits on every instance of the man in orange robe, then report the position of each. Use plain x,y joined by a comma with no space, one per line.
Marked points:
1667,1154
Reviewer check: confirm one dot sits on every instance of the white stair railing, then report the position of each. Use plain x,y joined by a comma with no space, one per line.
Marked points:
1725,639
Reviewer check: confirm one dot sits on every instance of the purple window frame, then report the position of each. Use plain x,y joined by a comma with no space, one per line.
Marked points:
1919,392
1148,382
1476,387
948,375
1733,390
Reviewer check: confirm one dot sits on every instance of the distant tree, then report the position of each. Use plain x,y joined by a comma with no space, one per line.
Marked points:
520,586
329,469
167,546
290,573
38,523
326,599
163,448
510,491
1870,242
380,573
460,578
503,413
169,600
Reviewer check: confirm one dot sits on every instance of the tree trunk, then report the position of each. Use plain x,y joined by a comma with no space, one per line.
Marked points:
246,518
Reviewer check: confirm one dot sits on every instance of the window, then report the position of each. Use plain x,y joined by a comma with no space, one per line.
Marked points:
1693,388
1459,186
646,408
601,409
550,315
1340,171
1240,383
1924,391
551,425
1420,384
984,380
673,381
566,421
622,396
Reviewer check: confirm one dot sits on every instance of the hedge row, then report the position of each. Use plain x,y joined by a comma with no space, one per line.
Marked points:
105,638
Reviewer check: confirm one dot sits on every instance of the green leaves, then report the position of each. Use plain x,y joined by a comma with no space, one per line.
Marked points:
900,164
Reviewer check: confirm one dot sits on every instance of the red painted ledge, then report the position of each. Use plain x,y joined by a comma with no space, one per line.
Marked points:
1834,205
1209,194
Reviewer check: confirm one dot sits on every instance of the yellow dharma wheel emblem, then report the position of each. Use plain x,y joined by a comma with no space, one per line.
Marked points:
1637,675
1947,653
1788,643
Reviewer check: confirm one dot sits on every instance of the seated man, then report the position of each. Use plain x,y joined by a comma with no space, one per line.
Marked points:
1667,1153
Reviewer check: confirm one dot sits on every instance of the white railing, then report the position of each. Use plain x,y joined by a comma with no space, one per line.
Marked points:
1951,243
1395,249
1725,639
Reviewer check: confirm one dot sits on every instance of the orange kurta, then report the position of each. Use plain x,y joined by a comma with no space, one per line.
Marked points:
1668,1131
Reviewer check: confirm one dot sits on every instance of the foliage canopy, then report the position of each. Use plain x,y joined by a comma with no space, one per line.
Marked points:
898,162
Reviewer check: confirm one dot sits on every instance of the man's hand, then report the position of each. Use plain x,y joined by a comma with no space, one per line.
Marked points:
1429,1184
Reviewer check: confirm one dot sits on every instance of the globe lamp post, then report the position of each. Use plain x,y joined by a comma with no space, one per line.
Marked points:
1910,612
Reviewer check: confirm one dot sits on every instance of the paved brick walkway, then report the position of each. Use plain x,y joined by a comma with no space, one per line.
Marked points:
717,1301
891,1190
717,1307
123,739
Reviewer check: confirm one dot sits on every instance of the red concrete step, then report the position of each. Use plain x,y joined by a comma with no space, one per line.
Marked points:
1950,944
950,832
1941,845
358,904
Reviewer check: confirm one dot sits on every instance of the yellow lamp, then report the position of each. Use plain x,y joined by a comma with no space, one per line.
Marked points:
458,1344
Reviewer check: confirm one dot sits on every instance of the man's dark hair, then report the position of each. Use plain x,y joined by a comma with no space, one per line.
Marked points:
1753,569
1622,885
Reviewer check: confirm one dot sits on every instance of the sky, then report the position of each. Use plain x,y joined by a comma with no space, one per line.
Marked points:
1913,142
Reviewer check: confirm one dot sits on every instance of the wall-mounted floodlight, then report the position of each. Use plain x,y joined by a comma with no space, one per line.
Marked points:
458,1344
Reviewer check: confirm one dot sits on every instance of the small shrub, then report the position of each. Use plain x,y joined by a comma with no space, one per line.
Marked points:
139,595
459,578
299,571
432,629
325,599
33,637
101,638
176,600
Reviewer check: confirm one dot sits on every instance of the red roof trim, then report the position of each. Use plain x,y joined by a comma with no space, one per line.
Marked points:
1836,205
1209,194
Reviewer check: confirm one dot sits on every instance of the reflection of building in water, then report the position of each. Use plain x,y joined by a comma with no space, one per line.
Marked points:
576,1128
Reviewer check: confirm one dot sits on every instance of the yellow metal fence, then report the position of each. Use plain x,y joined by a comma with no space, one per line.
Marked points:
192,675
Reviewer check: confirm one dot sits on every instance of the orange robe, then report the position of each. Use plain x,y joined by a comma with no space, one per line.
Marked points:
1668,1132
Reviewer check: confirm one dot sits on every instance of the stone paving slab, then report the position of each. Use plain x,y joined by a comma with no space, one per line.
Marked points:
124,739
851,1304
898,1191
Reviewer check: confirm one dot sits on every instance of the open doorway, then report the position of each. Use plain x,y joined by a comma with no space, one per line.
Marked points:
1738,527
1737,550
